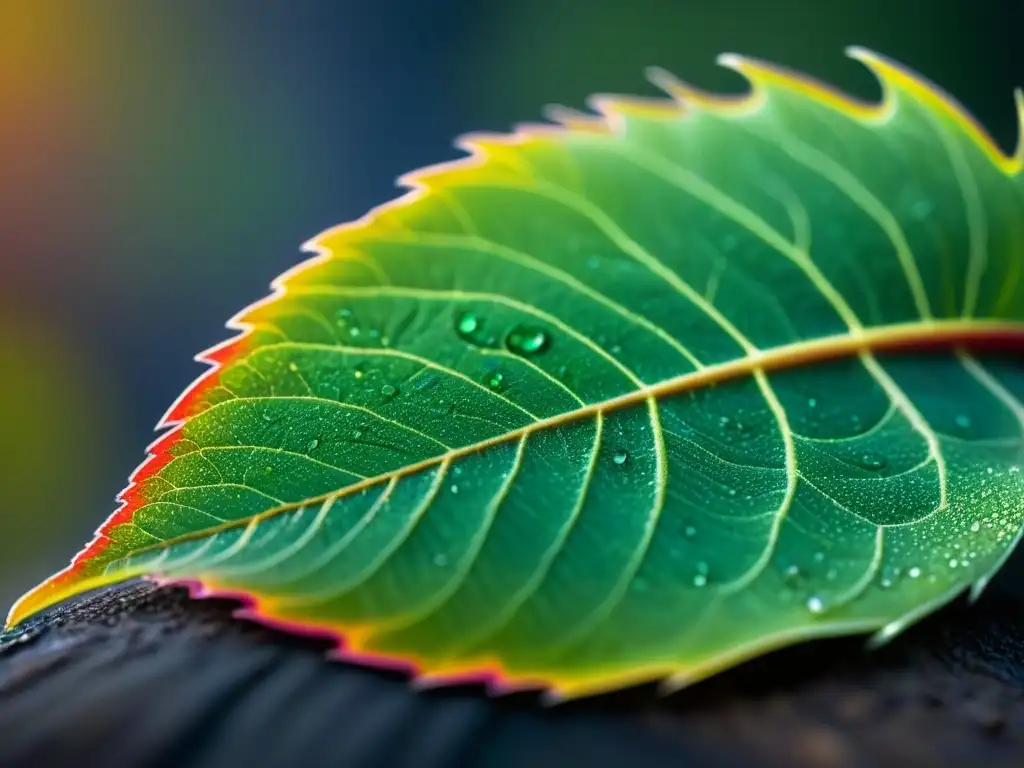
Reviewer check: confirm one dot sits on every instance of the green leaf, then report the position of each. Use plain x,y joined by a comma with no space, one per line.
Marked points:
638,396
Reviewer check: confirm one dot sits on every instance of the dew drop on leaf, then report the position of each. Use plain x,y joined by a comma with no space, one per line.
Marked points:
872,461
494,380
454,488
620,457
527,340
467,325
689,531
975,526
440,560
792,574
812,402
312,445
388,391
914,572
293,367
963,421
921,210
815,604
700,580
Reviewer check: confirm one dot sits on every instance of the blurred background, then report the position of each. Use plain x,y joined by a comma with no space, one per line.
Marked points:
161,161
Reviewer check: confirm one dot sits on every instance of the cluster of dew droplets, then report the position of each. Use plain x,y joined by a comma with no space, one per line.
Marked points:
351,331
522,339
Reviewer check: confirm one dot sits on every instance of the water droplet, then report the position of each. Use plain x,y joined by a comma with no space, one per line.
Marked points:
690,531
815,604
620,457
914,572
921,209
267,417
293,367
700,580
792,573
388,391
454,488
872,461
527,340
312,444
385,341
467,325
975,526
494,380
358,433
344,315
440,560
963,421
724,421
819,557
812,402
953,562
268,469
889,574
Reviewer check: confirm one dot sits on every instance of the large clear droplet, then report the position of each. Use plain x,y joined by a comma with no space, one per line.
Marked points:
467,325
527,340
620,457
388,391
815,604
871,460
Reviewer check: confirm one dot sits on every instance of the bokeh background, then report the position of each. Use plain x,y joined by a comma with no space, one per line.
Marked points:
162,160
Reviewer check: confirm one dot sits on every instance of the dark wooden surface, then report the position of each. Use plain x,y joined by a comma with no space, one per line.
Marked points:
141,676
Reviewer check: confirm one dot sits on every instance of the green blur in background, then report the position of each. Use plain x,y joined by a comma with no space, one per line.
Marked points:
161,162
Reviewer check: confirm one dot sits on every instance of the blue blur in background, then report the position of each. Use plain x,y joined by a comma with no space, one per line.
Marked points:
161,162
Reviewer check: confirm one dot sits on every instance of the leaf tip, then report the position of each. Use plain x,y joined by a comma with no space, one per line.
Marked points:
62,585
